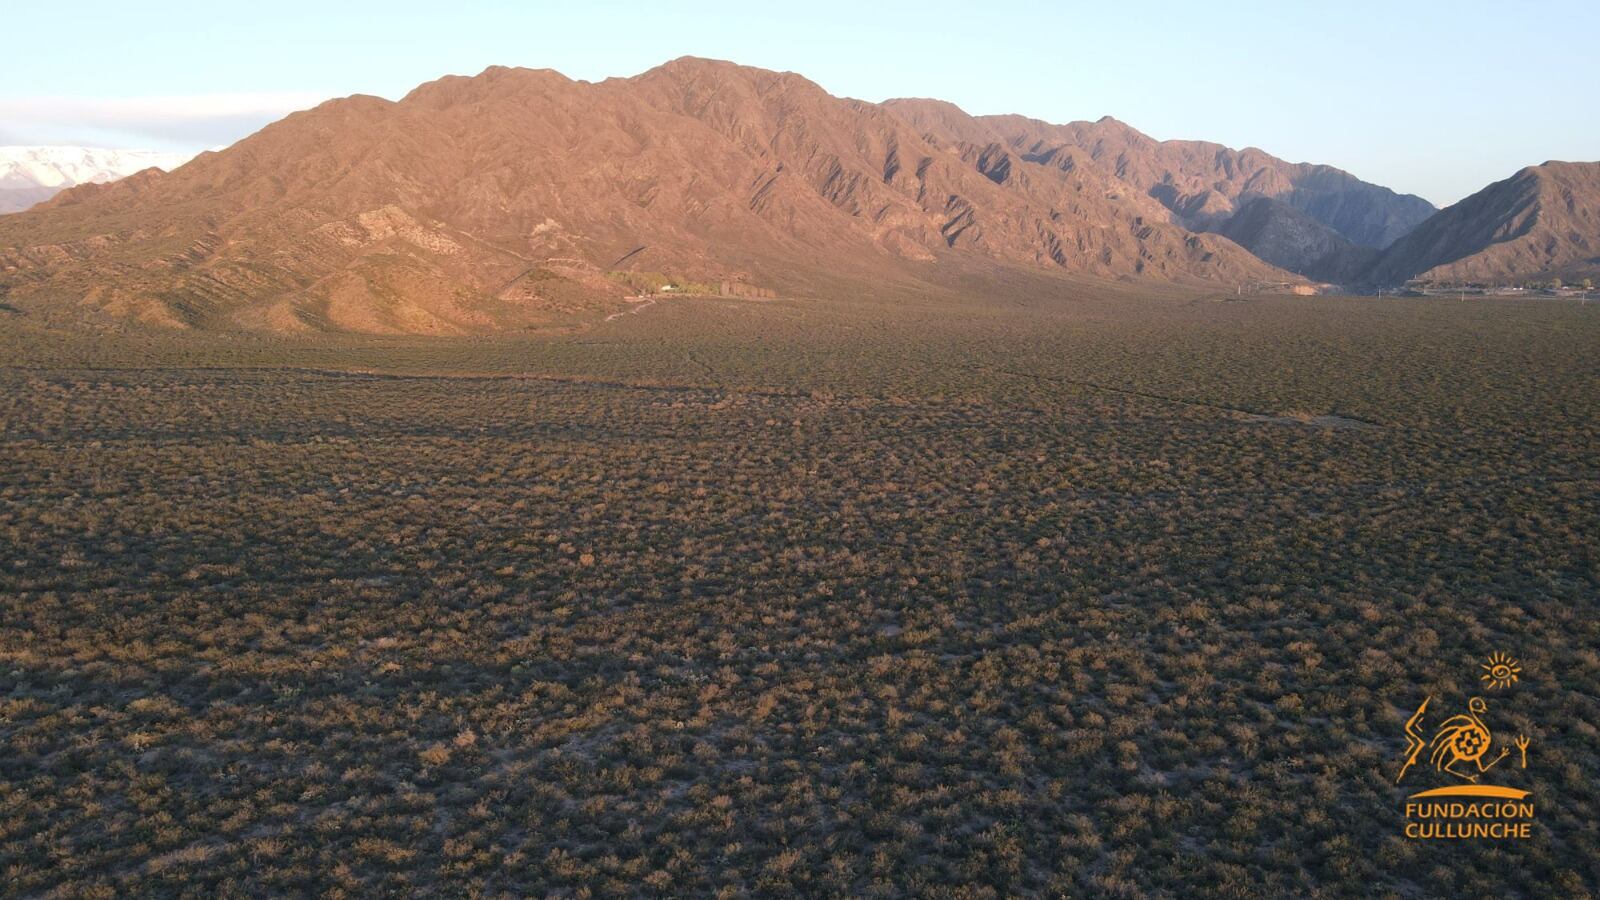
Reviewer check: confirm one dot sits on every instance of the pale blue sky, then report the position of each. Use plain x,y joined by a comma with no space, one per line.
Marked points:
1434,97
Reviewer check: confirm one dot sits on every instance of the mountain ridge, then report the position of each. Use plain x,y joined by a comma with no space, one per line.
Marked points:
1542,222
1202,182
428,214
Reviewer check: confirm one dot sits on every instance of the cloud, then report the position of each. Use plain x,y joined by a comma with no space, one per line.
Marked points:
196,121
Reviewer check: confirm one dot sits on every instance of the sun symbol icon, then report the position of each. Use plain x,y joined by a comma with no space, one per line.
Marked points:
1501,671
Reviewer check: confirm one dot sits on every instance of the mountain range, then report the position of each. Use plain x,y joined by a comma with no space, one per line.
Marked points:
517,196
1314,220
29,175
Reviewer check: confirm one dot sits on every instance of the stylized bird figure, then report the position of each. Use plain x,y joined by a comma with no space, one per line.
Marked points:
1464,739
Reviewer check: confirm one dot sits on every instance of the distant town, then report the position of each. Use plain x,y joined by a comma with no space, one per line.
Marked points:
1554,287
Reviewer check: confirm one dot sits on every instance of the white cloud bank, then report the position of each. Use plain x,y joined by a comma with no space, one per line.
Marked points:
192,122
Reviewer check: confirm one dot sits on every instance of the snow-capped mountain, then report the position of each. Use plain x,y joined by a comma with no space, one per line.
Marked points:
29,175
